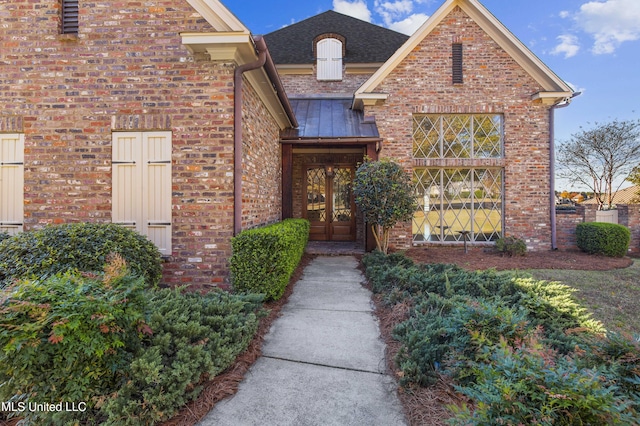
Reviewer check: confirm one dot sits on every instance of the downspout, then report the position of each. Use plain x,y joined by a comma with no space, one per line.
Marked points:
552,159
261,47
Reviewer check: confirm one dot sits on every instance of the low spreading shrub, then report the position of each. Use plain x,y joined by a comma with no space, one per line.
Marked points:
69,338
81,246
511,246
194,337
526,386
4,236
523,350
609,239
264,259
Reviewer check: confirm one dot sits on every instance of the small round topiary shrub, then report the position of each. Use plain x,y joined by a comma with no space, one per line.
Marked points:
609,239
511,246
82,246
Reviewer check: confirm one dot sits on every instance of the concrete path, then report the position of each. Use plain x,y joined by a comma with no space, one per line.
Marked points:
323,359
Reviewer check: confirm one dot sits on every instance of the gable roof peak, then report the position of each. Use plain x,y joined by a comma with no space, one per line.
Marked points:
554,88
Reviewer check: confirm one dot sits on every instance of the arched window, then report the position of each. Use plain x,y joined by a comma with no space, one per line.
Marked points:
329,59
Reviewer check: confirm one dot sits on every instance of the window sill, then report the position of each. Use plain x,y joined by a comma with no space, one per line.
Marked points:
68,37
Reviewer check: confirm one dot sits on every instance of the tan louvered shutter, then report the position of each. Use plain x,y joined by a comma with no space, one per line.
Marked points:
126,206
156,189
142,185
11,183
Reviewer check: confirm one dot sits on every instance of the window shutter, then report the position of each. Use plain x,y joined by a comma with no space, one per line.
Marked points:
456,54
156,184
329,59
69,16
141,194
126,206
11,183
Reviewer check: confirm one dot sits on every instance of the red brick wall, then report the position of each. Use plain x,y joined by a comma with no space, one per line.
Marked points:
300,85
261,165
493,84
128,69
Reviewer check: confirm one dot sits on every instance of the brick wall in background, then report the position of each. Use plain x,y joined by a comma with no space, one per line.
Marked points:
566,222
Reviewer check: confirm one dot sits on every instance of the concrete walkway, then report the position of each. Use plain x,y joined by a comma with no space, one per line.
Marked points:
323,359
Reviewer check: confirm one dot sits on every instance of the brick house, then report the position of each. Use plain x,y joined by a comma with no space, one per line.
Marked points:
173,119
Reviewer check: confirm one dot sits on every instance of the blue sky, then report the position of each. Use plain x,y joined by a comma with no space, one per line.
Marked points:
593,45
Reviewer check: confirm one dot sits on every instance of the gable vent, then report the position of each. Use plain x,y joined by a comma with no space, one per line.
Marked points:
456,54
69,17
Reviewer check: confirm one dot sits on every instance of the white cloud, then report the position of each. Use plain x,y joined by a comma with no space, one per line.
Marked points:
610,23
409,25
357,9
564,14
568,46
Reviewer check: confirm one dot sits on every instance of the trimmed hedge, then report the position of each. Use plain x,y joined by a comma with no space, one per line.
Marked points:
81,246
264,259
608,239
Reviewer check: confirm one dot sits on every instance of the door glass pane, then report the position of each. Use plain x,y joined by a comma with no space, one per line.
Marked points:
316,192
342,195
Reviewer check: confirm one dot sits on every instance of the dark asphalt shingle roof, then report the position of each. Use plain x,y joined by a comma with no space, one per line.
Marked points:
329,118
365,42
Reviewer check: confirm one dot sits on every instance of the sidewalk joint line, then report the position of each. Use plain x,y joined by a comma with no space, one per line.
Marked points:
317,364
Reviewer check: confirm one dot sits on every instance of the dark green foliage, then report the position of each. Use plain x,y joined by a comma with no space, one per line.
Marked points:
609,239
4,236
524,350
81,246
264,258
69,337
511,246
384,195
525,385
194,337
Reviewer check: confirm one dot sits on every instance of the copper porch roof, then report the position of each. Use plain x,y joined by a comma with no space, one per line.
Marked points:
329,118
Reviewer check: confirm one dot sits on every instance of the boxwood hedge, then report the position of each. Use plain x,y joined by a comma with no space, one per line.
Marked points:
264,259
81,246
608,239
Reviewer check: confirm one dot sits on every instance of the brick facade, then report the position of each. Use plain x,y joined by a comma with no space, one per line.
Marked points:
127,70
493,84
298,85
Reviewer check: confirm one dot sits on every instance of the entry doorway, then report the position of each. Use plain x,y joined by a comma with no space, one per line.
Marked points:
328,202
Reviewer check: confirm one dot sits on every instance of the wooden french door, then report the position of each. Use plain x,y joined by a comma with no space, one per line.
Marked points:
329,204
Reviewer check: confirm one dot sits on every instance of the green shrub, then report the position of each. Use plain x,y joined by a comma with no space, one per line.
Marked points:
524,386
264,259
4,236
608,239
511,246
69,338
194,337
82,246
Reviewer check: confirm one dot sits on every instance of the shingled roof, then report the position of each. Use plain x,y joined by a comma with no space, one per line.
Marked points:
365,42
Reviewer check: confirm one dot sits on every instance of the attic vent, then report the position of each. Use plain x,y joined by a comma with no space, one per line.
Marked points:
69,17
456,53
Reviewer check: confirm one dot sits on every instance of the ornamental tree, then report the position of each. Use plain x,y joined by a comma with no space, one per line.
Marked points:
597,158
384,194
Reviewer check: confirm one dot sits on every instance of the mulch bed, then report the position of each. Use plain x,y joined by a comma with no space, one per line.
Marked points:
487,258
